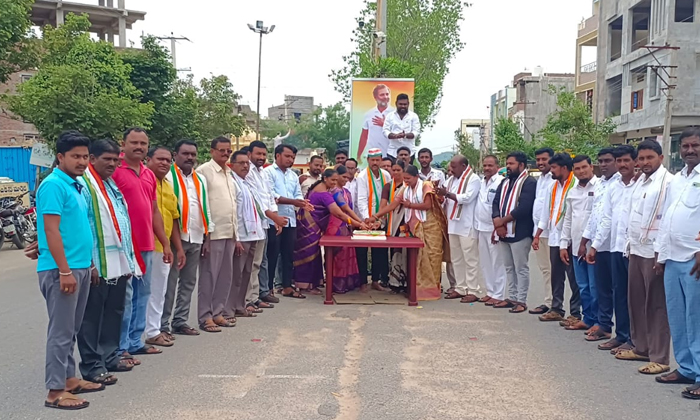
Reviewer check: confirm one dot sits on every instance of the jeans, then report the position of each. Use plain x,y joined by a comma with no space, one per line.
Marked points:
138,291
604,289
683,303
585,278
282,247
620,277
263,274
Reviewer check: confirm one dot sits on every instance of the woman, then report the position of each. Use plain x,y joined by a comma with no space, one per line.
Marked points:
346,276
396,226
308,265
426,221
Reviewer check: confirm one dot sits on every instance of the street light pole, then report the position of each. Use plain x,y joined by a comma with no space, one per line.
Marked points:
262,30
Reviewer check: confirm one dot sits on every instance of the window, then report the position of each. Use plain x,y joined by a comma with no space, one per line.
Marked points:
31,138
615,39
297,116
637,100
653,84
685,11
25,77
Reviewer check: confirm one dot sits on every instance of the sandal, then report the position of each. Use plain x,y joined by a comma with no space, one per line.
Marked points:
210,327
519,308
654,368
245,314
674,377
622,348
504,304
610,345
631,355
82,388
691,392
160,340
492,302
130,359
168,336
253,309
295,295
148,349
598,335
185,330
66,396
223,322
579,325
123,365
105,379
231,319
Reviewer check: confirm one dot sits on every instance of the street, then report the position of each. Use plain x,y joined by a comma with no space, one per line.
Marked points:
304,360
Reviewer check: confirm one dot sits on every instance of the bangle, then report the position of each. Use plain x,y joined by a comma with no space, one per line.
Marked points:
66,274
350,221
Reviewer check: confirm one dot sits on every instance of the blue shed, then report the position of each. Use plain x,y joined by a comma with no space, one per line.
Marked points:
14,163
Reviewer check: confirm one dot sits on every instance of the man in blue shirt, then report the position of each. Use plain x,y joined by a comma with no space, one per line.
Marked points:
286,190
64,268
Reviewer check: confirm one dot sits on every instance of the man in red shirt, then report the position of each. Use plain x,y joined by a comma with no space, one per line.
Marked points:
138,185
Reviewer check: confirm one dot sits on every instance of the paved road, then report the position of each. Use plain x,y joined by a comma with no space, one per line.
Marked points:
306,361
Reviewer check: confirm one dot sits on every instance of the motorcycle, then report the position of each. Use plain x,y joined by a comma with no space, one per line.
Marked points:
18,223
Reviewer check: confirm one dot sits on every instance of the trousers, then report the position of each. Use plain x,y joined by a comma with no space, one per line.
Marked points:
683,297
181,284
242,273
604,289
559,273
281,248
255,291
138,291
492,267
215,278
465,259
159,285
516,256
620,277
544,262
380,264
586,280
65,318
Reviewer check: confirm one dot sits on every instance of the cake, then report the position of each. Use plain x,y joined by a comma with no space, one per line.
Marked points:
378,235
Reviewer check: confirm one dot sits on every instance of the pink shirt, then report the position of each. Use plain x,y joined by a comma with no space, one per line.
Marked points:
139,193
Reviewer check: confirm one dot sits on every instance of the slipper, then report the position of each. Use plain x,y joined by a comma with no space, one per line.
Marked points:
104,378
504,304
676,378
610,344
580,325
185,330
148,349
597,336
127,356
295,295
254,309
245,314
223,322
654,368
66,396
519,308
210,328
687,393
82,388
160,340
631,355
622,348
123,365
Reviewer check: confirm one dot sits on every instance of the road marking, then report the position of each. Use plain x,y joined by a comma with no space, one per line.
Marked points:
262,376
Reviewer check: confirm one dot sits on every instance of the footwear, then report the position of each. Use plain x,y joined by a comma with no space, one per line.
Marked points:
469,299
148,349
519,308
168,335
270,299
691,392
210,326
104,378
631,355
66,396
654,368
598,335
674,377
159,340
264,305
492,302
485,299
551,316
578,325
83,387
185,330
454,295
624,347
568,321
542,309
610,344
504,304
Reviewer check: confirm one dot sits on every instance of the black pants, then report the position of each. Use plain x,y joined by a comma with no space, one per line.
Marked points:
98,339
281,246
559,273
604,288
380,264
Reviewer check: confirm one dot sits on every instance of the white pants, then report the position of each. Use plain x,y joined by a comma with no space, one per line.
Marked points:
545,264
253,293
465,260
159,283
492,266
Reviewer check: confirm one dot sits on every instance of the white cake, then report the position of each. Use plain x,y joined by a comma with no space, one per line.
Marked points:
377,235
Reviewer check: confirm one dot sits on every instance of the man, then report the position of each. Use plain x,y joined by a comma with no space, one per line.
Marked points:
386,164
401,127
544,186
351,165
490,258
138,185
428,173
513,221
552,217
369,190
612,296
222,243
160,161
64,268
372,136
340,157
261,295
284,185
251,235
404,153
113,257
680,252
577,211
315,168
601,265
647,302
461,195
195,223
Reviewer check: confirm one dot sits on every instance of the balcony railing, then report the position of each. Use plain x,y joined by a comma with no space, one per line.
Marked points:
590,67
587,26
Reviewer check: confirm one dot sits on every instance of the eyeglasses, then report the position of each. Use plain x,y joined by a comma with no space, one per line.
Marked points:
224,151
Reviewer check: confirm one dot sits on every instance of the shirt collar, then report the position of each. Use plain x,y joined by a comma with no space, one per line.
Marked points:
126,165
685,173
655,175
218,168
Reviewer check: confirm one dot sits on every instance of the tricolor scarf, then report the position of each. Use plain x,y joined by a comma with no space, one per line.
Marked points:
113,261
395,222
183,204
508,206
456,212
374,192
251,212
568,186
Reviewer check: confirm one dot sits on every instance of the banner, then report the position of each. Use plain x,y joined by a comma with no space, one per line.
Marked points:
371,101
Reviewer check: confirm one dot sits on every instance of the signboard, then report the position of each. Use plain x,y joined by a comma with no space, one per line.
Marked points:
15,189
371,101
41,155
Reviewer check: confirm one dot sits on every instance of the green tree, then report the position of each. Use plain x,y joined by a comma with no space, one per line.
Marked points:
571,128
18,45
467,149
323,128
178,116
422,38
80,84
508,138
218,104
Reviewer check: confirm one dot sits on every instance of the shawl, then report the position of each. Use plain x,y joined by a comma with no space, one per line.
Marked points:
183,204
568,186
456,213
508,206
251,211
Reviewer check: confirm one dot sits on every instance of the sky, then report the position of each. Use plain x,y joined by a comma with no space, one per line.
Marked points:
502,38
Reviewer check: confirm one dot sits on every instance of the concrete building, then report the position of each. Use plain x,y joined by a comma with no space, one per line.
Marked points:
533,100
478,131
501,102
293,108
13,131
645,47
586,49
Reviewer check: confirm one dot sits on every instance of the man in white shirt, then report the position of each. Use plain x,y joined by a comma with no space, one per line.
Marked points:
351,165
578,207
372,136
316,165
552,218
544,187
370,183
427,172
490,259
181,282
680,252
401,127
647,303
461,195
612,297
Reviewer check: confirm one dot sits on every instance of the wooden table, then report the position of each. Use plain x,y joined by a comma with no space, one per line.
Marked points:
411,244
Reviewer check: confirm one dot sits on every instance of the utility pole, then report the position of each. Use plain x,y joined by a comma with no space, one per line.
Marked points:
262,30
173,42
526,132
669,72
379,34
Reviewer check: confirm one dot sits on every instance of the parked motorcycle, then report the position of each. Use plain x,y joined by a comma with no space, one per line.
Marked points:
18,222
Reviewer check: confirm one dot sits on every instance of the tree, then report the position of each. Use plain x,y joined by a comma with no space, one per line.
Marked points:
17,43
178,116
571,128
322,129
467,149
218,105
508,138
80,84
422,38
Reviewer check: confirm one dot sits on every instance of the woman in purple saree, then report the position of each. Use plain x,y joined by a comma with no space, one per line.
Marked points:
308,264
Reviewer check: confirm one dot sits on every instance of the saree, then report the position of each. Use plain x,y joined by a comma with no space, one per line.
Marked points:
308,264
398,258
346,276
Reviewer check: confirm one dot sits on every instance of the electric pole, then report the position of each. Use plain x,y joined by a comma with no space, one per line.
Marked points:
669,73
173,41
379,34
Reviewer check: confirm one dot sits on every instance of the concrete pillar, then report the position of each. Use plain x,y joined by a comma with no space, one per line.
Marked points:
101,3
577,69
122,31
110,3
121,4
59,17
110,36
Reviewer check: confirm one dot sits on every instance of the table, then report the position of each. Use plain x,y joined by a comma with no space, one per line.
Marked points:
411,244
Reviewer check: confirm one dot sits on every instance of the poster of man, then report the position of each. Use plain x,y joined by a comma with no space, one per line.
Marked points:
372,101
